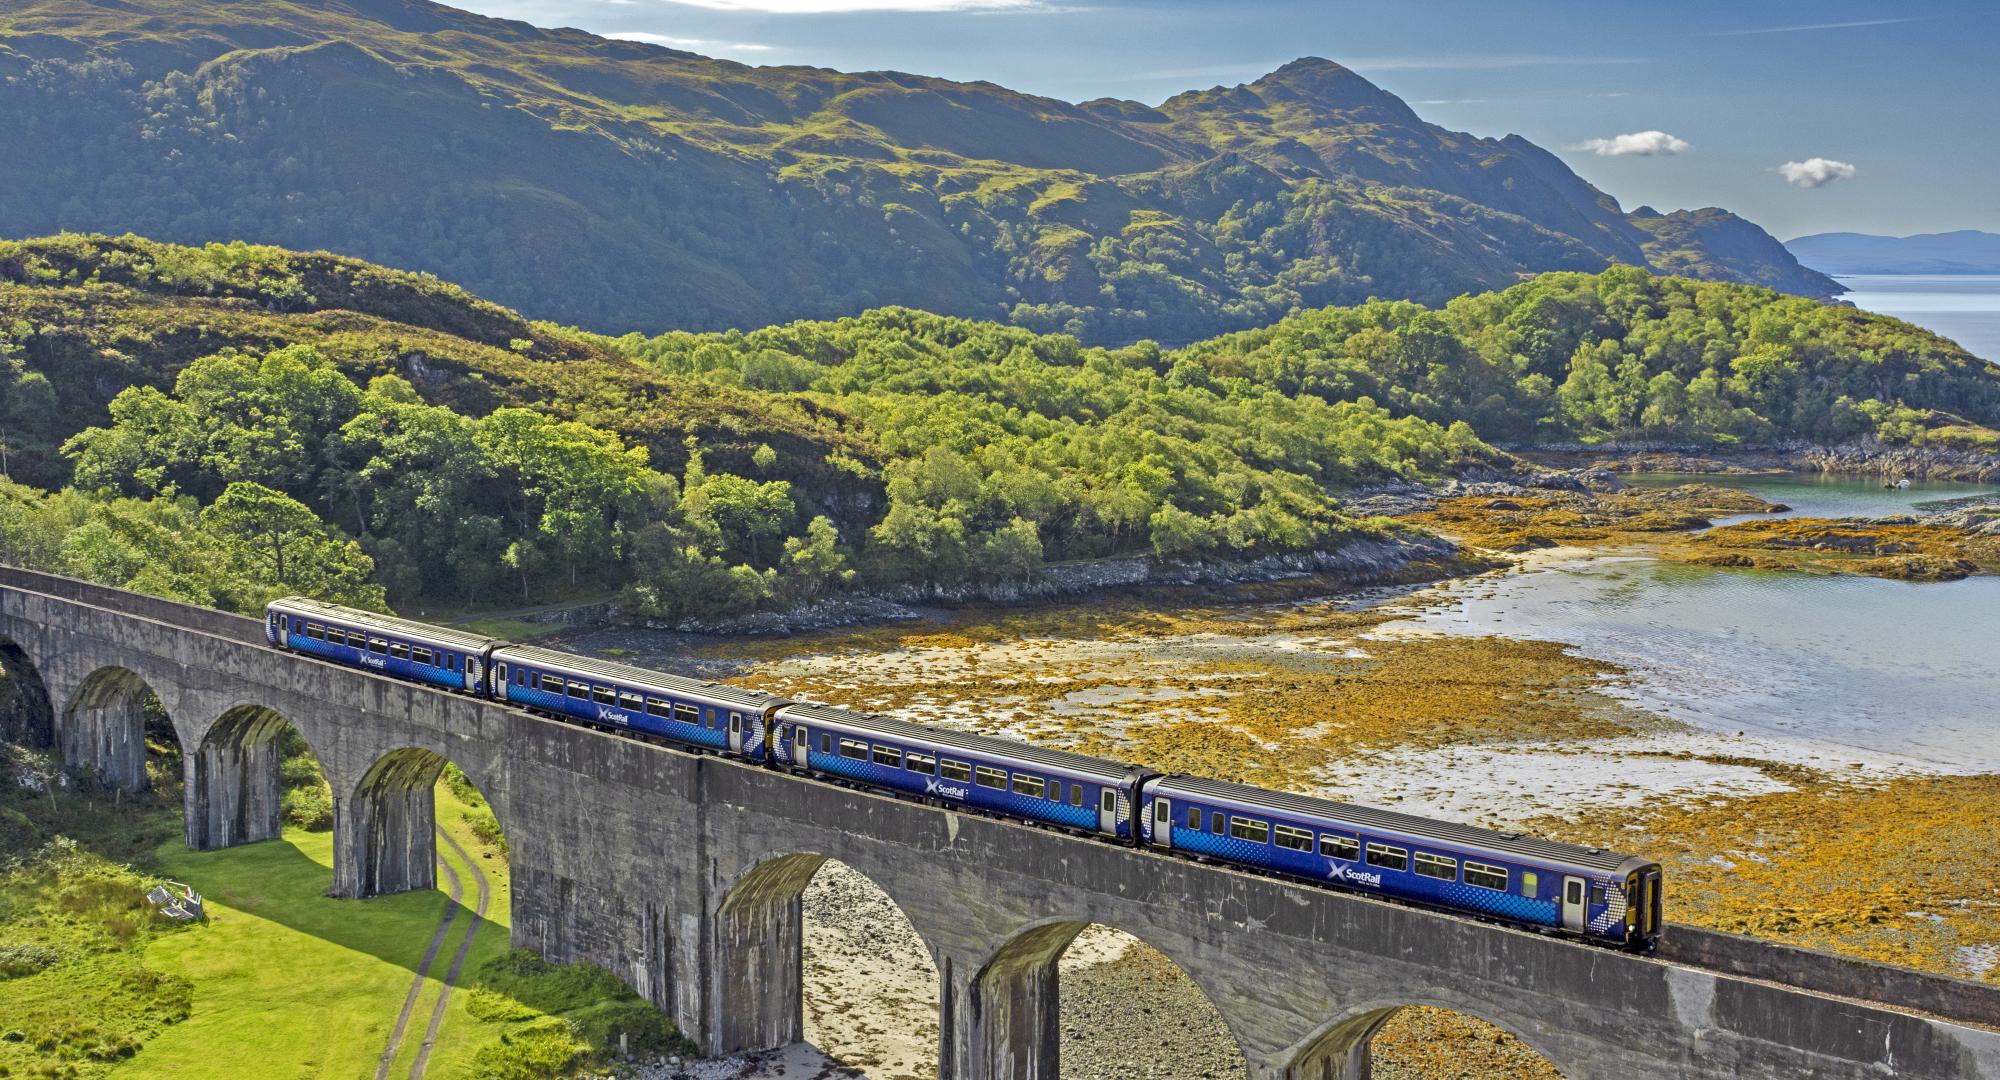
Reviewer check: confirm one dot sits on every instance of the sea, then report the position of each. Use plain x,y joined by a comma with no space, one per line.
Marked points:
1962,307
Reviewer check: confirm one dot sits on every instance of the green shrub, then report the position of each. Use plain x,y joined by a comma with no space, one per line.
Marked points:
309,808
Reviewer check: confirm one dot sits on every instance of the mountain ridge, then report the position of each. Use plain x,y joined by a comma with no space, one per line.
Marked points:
627,186
1962,251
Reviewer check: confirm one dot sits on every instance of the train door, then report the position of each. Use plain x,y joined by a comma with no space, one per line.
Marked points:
271,623
736,733
800,746
1573,911
499,677
1163,823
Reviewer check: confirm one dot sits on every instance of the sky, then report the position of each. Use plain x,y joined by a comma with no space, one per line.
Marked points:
1804,117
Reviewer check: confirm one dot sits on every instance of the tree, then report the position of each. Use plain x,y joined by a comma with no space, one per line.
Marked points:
814,561
281,543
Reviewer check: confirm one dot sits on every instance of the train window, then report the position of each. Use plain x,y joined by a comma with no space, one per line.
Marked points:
551,684
520,675
825,744
1389,858
378,646
1216,823
922,763
579,690
889,756
316,631
1250,829
993,778
687,714
631,702
1194,817
1076,794
1484,876
850,748
660,708
1437,866
1031,786
954,770
399,650
1294,839
1597,894
1346,848
1531,883
422,656
604,695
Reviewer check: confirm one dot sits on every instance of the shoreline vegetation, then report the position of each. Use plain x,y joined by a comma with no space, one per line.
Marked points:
228,423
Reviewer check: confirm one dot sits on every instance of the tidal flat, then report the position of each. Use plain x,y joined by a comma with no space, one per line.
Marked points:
1787,802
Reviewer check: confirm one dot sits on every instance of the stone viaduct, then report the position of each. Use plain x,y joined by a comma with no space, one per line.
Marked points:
683,874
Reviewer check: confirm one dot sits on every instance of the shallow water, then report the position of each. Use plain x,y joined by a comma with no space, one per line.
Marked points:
1962,307
1886,666
1821,495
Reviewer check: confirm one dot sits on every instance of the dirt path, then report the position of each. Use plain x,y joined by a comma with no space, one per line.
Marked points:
458,958
424,968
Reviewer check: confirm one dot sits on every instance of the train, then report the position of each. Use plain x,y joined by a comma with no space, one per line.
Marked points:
1589,894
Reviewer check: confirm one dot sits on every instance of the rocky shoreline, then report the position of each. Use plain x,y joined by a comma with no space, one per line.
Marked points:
1855,459
1400,557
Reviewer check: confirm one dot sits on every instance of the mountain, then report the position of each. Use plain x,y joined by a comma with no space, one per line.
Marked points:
626,186
1967,251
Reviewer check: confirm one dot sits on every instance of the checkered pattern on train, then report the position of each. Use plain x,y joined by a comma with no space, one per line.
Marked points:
401,669
1505,905
1006,802
1612,918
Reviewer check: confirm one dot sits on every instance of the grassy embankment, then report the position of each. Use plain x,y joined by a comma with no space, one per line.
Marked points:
281,980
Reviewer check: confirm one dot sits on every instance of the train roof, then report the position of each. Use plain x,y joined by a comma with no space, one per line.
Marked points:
301,605
721,693
943,738
1370,818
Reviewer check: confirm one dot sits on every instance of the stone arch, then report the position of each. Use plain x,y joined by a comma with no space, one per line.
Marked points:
101,730
1344,1048
27,712
761,938
234,790
385,830
1013,1029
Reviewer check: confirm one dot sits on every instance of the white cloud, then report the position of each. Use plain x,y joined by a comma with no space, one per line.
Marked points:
1815,172
1635,144
1849,25
688,44
838,7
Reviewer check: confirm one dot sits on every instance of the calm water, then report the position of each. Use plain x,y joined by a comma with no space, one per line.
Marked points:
1887,666
1964,308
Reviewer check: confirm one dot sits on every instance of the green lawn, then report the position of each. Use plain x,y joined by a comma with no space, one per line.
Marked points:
289,983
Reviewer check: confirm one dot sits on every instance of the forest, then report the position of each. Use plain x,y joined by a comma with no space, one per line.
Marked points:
295,422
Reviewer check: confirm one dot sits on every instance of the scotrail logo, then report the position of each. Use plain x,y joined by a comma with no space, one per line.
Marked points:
1355,877
369,661
938,787
606,712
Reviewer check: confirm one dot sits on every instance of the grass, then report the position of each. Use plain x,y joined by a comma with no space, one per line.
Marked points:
289,982
282,981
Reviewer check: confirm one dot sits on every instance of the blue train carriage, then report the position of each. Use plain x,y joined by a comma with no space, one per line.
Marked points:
726,719
416,651
951,768
1591,893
